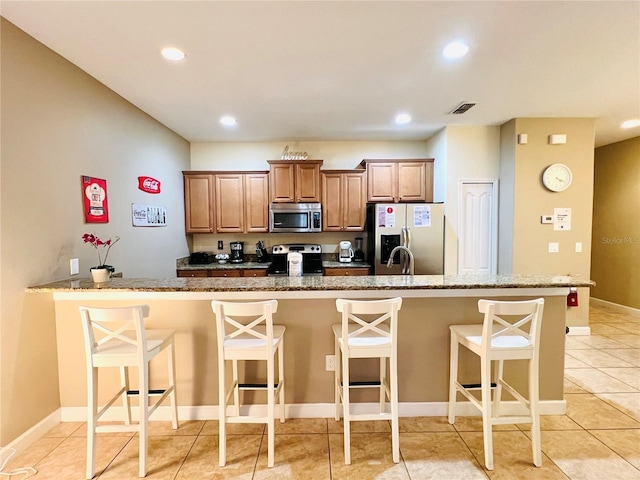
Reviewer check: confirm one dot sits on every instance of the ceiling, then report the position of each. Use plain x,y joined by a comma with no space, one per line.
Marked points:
335,70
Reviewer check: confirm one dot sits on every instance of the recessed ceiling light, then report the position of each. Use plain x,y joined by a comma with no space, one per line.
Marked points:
455,50
228,121
173,54
631,123
402,118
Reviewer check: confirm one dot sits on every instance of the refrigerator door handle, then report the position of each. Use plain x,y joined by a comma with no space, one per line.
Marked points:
406,240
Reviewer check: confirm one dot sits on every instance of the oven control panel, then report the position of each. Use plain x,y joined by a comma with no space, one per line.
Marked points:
296,247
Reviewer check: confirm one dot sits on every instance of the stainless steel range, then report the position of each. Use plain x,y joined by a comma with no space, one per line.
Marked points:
311,258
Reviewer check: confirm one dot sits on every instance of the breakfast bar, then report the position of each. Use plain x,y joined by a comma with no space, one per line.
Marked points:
306,306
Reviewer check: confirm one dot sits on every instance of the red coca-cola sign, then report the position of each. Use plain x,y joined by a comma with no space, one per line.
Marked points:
149,184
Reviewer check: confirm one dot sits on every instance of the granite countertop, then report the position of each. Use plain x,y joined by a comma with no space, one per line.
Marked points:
337,264
317,283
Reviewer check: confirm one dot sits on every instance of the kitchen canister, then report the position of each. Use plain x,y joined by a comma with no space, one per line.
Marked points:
294,261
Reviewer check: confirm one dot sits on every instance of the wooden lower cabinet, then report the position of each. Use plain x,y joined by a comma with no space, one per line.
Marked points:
225,273
346,272
255,273
192,273
237,272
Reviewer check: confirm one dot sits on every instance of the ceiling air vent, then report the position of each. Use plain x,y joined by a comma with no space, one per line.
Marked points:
462,108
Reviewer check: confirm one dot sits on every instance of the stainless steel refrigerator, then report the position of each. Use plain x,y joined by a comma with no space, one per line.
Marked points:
417,226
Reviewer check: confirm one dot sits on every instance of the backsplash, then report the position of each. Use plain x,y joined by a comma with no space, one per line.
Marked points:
328,240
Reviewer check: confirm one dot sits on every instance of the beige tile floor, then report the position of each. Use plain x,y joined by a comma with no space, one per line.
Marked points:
598,438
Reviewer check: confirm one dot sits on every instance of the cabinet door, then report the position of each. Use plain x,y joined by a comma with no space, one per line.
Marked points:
281,182
198,203
229,203
381,182
332,211
256,202
354,201
411,182
307,182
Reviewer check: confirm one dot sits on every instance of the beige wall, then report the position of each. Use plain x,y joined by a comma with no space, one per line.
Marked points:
58,123
615,254
520,173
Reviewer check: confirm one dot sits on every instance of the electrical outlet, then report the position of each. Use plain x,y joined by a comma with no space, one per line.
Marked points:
330,363
74,266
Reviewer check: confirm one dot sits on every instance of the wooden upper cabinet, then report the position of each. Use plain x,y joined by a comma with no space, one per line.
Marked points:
256,202
294,181
399,180
344,200
229,191
198,202
242,202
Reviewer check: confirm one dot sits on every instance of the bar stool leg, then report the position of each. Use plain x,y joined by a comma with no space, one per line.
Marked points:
497,394
144,419
236,388
126,403
535,412
281,378
453,377
485,376
346,414
92,411
270,412
395,427
171,360
222,414
383,383
337,369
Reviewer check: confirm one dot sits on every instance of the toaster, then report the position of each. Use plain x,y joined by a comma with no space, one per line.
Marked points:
201,258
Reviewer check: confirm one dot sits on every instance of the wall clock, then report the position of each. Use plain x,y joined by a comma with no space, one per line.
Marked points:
557,177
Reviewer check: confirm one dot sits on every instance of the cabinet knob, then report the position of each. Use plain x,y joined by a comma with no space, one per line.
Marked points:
346,274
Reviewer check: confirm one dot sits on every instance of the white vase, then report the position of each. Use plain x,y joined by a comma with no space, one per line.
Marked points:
100,275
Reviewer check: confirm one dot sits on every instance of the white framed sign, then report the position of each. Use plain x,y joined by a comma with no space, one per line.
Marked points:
148,215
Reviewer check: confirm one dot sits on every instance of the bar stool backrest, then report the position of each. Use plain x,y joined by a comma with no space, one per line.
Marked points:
511,325
117,330
236,320
373,322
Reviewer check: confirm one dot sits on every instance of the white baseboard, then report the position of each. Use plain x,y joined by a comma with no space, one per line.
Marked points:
36,432
312,410
579,331
616,306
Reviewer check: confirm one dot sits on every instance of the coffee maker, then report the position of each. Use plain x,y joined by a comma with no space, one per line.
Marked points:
346,252
237,252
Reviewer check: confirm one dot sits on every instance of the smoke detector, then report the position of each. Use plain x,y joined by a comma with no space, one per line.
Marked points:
462,108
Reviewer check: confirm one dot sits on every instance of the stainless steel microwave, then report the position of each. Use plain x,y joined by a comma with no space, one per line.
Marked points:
295,217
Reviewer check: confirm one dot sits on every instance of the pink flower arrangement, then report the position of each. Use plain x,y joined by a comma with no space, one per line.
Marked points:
97,243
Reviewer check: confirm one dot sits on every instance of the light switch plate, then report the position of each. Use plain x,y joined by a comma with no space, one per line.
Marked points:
74,266
546,219
578,247
554,247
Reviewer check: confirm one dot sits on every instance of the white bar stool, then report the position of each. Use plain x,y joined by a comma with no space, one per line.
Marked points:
504,335
370,327
116,337
246,331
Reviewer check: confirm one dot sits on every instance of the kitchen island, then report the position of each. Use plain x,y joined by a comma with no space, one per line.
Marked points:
307,308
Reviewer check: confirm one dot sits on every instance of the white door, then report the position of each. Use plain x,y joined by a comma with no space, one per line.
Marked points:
477,233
